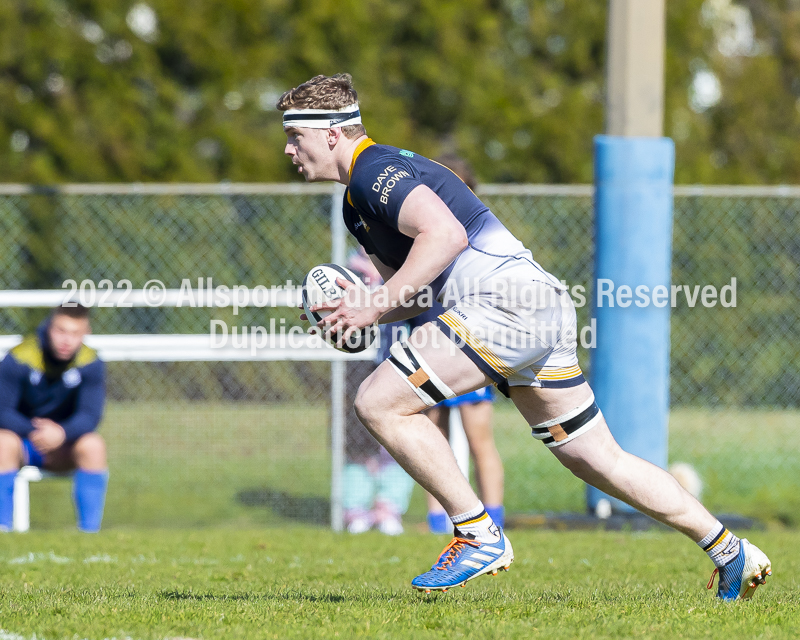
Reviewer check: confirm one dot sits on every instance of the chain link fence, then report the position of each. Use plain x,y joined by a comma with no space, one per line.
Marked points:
195,443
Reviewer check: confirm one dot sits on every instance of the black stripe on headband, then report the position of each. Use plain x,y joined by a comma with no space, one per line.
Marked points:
335,118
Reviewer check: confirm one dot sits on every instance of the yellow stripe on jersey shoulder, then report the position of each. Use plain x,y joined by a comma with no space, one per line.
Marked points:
368,142
86,355
29,352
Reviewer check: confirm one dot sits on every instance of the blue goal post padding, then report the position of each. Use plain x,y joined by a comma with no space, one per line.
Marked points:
633,233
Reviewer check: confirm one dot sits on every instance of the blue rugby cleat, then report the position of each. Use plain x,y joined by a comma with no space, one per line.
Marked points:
739,579
464,559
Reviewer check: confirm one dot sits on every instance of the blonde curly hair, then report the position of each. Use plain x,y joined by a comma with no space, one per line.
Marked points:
324,92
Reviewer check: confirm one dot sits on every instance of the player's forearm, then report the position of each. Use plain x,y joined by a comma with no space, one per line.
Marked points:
79,424
12,380
91,401
405,312
432,252
12,420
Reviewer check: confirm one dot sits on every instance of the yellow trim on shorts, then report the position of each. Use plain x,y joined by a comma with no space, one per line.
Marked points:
558,373
477,345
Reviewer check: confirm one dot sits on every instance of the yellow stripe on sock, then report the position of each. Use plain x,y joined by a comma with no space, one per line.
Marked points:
473,521
719,540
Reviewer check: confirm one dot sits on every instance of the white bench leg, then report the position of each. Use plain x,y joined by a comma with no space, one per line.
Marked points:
22,497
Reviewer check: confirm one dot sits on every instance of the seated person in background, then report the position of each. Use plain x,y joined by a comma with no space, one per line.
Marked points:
52,392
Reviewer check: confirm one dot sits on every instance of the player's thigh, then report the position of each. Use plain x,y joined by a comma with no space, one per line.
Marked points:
569,423
89,451
388,390
11,455
596,450
538,405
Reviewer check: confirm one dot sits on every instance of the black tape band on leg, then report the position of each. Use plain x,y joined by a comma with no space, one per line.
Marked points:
567,427
428,386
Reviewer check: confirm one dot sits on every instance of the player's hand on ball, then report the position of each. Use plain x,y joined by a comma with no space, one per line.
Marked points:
340,307
349,314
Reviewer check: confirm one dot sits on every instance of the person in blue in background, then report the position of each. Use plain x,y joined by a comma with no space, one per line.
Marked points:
52,392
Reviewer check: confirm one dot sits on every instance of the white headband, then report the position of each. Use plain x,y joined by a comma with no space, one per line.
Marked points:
322,118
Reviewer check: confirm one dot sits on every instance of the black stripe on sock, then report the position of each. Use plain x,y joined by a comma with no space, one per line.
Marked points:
715,540
476,517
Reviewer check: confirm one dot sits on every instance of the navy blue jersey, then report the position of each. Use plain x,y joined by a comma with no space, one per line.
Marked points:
33,385
381,177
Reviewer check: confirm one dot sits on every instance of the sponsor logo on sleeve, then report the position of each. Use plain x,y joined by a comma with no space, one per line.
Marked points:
387,180
361,223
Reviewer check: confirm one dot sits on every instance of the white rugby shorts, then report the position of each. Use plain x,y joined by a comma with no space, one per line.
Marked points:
519,329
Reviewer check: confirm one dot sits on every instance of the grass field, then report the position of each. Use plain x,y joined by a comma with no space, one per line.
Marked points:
185,465
263,575
304,582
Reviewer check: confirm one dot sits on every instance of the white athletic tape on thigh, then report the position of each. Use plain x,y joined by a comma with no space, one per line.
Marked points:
569,426
410,365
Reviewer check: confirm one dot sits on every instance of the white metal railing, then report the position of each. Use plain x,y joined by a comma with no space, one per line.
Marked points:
201,348
274,297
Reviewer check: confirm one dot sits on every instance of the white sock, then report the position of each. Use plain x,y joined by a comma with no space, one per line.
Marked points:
720,545
476,524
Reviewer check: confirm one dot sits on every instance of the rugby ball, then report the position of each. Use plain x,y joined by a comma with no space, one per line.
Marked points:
320,286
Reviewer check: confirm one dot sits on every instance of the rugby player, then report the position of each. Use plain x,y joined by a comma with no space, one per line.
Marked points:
52,392
475,409
508,322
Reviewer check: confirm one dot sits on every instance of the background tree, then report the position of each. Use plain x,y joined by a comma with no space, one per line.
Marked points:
113,90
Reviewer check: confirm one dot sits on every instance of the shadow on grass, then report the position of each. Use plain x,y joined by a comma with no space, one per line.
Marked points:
369,597
310,509
233,597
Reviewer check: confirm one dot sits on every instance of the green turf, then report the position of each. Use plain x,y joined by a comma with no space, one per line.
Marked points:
185,464
307,583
